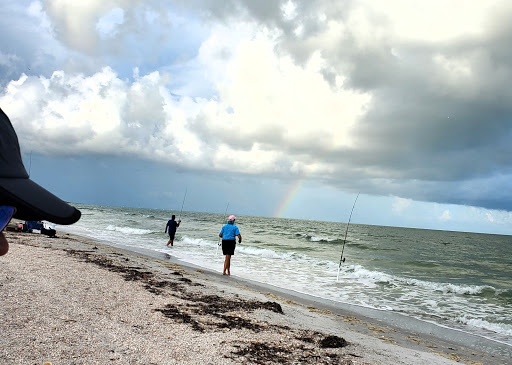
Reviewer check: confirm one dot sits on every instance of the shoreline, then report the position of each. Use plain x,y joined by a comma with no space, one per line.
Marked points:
230,319
400,321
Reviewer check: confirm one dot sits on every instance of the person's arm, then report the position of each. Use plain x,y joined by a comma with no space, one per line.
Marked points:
239,238
220,234
178,224
167,225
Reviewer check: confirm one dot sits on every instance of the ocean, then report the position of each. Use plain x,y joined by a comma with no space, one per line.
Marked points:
457,280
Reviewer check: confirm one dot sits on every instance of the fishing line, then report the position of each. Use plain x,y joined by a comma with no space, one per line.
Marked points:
342,259
220,238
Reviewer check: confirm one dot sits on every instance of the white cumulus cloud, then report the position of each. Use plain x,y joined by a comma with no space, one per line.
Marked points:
446,216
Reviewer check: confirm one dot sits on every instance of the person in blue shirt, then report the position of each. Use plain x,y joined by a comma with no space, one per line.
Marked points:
172,225
229,233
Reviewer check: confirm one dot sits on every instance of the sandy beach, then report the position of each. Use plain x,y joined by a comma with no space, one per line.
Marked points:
68,300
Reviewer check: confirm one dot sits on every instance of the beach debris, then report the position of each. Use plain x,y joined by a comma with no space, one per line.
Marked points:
316,310
454,357
220,312
172,311
376,329
206,312
286,352
386,339
198,304
333,342
261,352
212,304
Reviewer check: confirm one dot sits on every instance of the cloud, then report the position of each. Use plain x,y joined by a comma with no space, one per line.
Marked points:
400,204
361,96
490,217
75,114
75,23
446,216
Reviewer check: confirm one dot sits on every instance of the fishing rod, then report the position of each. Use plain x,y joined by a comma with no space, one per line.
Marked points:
220,238
342,259
182,204
30,166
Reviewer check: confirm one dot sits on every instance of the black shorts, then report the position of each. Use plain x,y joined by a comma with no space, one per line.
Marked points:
228,247
171,235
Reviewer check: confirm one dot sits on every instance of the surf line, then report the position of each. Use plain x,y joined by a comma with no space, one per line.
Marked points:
220,238
342,259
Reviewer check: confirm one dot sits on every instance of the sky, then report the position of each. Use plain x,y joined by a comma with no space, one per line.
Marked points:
270,108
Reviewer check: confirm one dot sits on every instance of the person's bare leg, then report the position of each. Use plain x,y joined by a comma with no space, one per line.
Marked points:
4,246
226,264
229,264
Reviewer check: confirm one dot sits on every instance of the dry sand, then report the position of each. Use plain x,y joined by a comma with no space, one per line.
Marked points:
67,300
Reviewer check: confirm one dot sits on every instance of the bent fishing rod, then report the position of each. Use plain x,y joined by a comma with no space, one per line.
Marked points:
220,238
342,259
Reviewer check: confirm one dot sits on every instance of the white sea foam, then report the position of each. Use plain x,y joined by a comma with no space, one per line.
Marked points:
360,272
266,253
322,239
502,328
446,288
127,230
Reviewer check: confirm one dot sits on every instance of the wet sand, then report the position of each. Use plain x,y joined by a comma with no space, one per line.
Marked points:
69,300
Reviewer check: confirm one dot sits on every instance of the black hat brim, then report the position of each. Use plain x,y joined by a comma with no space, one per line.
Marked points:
34,203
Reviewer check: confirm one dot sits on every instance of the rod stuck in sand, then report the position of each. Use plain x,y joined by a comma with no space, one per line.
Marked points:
342,259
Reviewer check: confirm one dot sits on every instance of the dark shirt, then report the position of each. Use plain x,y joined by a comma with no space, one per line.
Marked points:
172,224
34,225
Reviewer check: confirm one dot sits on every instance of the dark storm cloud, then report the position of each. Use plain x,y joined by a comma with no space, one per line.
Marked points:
433,132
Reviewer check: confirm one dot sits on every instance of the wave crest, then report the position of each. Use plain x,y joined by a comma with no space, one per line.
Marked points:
128,230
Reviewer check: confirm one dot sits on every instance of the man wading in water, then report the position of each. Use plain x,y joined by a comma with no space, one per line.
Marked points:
172,225
228,233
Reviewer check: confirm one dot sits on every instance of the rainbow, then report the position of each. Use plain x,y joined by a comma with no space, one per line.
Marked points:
288,198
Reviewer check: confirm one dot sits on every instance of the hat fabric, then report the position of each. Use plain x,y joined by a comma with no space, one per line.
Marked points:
32,201
231,217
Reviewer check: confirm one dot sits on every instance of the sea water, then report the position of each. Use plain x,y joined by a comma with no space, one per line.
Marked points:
457,280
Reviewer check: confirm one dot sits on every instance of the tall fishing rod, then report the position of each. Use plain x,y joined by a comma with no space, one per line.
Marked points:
30,166
182,204
342,259
220,238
